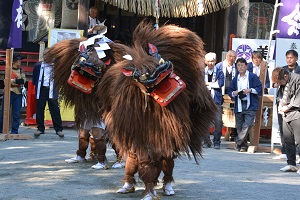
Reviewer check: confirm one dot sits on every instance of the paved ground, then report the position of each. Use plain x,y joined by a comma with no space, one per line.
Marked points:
34,170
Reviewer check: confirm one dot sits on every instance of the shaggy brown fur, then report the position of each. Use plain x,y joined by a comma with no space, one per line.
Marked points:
148,134
137,123
63,55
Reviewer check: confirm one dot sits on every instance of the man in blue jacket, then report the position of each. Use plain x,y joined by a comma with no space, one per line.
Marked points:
244,89
46,92
214,80
230,71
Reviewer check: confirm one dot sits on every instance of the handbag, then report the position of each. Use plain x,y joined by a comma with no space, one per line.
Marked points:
168,89
83,79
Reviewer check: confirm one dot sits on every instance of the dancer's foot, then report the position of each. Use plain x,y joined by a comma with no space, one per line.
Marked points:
168,190
75,159
100,165
151,196
118,165
127,188
91,157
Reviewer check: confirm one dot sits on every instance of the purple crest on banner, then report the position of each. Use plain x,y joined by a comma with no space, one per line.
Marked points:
289,19
15,36
244,51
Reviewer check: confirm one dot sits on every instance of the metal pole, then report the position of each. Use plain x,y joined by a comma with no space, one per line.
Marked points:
272,32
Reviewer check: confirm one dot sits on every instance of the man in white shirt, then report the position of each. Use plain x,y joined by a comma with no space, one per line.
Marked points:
244,89
46,92
93,21
229,69
256,66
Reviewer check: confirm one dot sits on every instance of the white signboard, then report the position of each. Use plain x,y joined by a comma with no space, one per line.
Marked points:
245,47
56,35
282,46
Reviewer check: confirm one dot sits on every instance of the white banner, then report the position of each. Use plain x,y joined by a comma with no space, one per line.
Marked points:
282,46
245,47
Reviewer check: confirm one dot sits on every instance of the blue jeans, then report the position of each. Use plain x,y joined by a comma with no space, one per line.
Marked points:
15,104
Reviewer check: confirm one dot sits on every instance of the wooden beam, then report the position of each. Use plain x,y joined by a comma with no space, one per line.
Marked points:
252,149
19,137
254,140
3,137
83,13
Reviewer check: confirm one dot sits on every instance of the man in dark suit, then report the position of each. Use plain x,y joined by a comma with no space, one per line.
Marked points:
46,92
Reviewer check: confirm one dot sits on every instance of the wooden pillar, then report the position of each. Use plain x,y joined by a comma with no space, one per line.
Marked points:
83,13
255,139
6,101
7,82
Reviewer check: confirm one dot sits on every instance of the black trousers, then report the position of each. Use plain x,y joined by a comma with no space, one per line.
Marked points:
54,111
279,117
291,136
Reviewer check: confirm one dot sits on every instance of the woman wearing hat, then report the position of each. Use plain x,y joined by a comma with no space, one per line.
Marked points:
17,81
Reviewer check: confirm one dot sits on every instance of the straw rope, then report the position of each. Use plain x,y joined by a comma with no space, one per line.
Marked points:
172,8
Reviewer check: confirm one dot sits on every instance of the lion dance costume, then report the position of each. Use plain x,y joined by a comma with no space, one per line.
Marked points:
152,98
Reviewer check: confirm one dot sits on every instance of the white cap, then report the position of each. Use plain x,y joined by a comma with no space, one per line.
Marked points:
210,56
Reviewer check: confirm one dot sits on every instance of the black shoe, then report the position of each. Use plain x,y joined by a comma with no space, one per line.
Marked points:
217,146
243,149
60,134
237,147
38,133
206,145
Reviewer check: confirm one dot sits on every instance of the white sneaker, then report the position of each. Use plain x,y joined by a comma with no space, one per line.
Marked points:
127,188
100,166
298,171
289,168
75,159
150,196
118,165
282,156
168,190
298,161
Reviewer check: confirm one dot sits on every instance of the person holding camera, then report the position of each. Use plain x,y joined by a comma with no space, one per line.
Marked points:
244,89
18,79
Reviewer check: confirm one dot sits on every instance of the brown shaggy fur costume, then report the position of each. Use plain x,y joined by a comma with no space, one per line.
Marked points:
64,54
139,124
148,134
151,135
